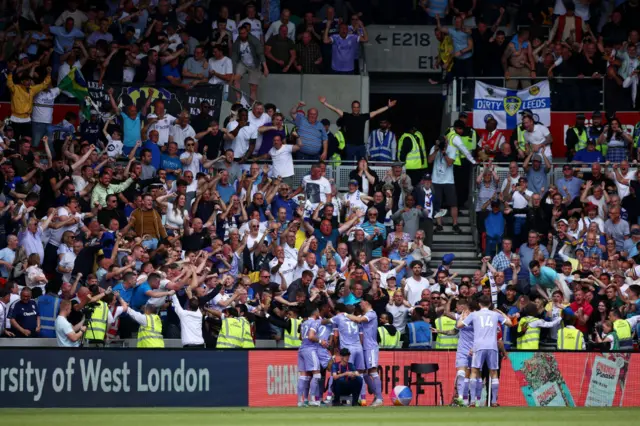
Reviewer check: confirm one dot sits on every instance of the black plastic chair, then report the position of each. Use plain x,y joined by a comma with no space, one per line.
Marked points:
420,382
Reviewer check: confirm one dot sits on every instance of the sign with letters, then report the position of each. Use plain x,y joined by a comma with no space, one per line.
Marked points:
122,378
401,48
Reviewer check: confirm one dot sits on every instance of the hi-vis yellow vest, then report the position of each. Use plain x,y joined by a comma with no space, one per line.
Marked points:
521,142
97,328
458,160
446,341
582,138
150,335
292,337
413,160
247,338
335,158
231,334
423,149
531,339
387,341
622,329
570,339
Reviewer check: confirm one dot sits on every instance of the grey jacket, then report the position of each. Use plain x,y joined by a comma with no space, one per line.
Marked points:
256,49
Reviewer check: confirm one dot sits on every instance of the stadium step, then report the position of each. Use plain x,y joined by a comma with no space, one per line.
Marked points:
446,241
450,236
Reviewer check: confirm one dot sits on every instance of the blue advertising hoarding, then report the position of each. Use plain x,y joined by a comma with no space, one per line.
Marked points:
122,378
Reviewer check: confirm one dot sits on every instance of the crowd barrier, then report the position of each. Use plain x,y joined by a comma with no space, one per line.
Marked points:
268,378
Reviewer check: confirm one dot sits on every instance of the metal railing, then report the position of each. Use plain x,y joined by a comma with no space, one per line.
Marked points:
563,90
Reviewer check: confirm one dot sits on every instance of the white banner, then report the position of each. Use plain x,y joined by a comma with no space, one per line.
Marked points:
504,104
602,386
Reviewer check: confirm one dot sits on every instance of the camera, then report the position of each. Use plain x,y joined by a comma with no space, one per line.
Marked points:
87,311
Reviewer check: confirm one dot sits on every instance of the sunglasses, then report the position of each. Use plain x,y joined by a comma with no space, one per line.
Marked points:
191,144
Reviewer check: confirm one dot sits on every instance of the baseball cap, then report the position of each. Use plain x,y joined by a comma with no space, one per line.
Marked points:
354,182
344,352
537,157
526,112
591,141
596,114
580,116
463,114
580,249
448,258
495,203
563,221
566,167
426,176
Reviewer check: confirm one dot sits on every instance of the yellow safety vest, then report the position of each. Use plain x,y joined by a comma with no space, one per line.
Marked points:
413,160
335,158
570,339
622,329
582,139
247,338
97,328
150,335
446,341
521,143
231,334
423,147
292,337
387,341
471,142
531,339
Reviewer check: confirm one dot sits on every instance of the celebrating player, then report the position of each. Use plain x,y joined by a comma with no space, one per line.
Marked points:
485,346
463,351
308,363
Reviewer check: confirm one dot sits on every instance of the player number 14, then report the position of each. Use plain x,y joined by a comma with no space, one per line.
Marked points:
486,322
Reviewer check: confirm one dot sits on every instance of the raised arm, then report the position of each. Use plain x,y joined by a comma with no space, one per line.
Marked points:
323,101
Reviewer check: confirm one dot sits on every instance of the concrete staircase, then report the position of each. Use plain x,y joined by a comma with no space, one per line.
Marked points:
466,261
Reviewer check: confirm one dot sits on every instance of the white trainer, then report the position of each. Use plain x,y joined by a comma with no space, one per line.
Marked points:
377,403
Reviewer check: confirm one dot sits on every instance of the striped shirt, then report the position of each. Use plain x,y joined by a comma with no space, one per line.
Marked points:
312,135
370,228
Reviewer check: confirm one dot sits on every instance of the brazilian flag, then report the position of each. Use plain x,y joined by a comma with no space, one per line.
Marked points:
75,84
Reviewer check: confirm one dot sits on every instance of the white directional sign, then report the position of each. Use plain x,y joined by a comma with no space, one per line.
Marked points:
401,48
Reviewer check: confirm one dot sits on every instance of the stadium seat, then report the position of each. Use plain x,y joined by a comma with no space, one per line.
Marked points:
419,370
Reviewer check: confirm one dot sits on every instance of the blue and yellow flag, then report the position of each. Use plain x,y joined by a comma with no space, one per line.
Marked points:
75,84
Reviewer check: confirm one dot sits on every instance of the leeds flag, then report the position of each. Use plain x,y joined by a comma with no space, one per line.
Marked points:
505,104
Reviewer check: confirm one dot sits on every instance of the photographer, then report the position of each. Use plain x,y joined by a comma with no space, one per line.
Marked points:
96,315
443,155
67,335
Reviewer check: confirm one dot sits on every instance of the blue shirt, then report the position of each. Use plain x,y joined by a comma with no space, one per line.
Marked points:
537,179
139,298
573,186
546,279
131,130
289,205
526,255
125,293
460,41
324,239
156,155
26,315
63,40
369,228
437,7
7,255
396,256
226,192
312,135
344,52
589,156
169,71
170,163
419,334
339,368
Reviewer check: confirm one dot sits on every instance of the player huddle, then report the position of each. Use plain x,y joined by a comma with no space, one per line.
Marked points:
478,330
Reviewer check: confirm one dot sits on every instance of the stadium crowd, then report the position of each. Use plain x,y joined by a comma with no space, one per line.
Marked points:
157,226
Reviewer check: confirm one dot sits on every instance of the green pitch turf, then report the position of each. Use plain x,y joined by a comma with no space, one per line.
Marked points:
319,416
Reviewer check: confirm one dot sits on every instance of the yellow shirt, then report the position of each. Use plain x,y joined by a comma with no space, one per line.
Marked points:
301,237
445,52
21,98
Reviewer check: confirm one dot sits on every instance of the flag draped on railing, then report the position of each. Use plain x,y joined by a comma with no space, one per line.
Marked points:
74,84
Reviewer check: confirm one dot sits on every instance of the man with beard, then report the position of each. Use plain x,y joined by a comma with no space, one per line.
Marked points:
382,143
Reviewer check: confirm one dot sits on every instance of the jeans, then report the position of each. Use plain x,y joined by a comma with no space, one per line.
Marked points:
38,131
355,152
150,244
301,156
492,245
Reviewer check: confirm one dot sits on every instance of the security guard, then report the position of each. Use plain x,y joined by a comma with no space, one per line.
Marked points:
49,307
576,137
388,336
232,331
462,170
336,142
447,333
413,153
595,130
569,337
292,333
623,328
97,327
150,332
247,337
382,143
528,334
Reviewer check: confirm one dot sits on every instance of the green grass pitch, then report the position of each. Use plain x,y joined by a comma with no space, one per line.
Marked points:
328,416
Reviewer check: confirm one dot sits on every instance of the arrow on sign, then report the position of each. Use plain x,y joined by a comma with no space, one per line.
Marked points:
380,39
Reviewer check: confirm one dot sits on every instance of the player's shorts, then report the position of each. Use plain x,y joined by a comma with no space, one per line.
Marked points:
482,356
371,357
308,360
324,356
357,358
463,359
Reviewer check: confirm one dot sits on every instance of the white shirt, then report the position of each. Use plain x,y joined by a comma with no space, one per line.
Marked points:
600,203
114,147
221,66
43,106
384,276
190,324
520,201
240,144
316,191
305,267
355,202
290,252
56,234
173,219
274,29
538,137
179,134
586,221
400,316
245,55
162,126
256,27
194,166
510,180
623,190
287,269
64,327
413,289
282,161
64,70
257,123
